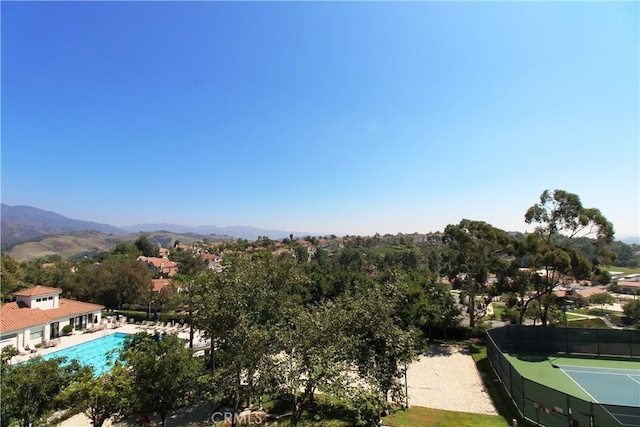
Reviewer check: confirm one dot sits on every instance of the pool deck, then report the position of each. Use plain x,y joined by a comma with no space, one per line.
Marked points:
79,338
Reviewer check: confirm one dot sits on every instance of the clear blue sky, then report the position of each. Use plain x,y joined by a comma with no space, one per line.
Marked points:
331,117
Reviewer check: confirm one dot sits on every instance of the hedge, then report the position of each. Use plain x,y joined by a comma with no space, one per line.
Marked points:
141,316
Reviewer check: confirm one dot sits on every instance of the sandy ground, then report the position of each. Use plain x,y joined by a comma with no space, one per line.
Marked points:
448,379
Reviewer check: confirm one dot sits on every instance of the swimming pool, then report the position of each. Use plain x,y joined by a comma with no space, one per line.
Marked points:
93,353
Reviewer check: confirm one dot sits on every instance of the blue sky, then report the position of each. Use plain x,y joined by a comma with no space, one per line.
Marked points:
353,118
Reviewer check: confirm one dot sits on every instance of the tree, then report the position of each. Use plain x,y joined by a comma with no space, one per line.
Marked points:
7,353
632,310
30,390
474,249
116,281
240,309
560,221
128,249
377,346
11,276
603,299
101,397
533,311
189,264
312,340
442,311
163,370
145,246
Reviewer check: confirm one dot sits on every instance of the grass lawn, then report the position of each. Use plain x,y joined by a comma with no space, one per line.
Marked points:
588,323
625,270
498,309
594,311
571,316
422,417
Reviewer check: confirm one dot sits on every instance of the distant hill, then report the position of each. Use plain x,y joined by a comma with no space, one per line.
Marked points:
237,231
80,243
630,240
23,223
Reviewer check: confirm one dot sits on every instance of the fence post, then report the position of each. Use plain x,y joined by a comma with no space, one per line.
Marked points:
523,395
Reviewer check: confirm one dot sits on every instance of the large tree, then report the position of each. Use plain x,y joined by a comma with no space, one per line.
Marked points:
474,249
163,370
145,246
12,276
103,397
312,358
30,390
117,280
240,309
378,346
560,221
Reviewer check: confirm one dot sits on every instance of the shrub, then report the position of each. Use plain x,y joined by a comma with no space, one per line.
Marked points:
137,316
67,329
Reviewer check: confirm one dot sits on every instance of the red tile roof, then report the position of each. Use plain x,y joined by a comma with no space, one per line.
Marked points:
16,316
158,284
37,290
589,292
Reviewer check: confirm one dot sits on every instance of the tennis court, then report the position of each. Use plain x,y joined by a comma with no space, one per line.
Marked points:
617,389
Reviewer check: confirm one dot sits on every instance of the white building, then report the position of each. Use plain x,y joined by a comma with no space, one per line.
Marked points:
39,314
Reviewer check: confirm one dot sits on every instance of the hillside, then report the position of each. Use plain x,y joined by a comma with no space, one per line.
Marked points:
237,231
23,223
81,243
26,223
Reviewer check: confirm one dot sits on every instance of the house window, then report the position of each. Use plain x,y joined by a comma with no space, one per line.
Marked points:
38,299
50,298
35,335
8,337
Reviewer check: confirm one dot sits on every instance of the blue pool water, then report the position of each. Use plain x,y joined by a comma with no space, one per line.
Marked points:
94,352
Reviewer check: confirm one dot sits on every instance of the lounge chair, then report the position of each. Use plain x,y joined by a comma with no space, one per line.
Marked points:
51,343
21,351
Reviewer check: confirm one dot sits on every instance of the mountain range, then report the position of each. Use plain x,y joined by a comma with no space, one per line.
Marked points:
25,223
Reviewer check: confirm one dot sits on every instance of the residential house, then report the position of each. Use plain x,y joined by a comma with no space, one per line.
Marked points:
160,284
162,268
629,287
39,314
213,261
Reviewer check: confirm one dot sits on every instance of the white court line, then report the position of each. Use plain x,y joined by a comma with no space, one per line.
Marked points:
578,384
599,367
596,372
584,369
631,376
